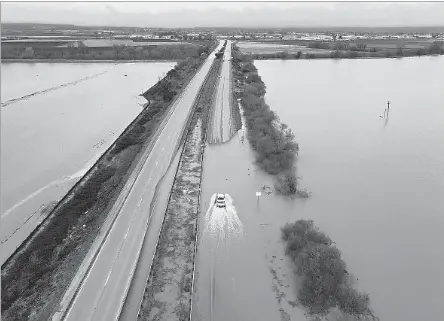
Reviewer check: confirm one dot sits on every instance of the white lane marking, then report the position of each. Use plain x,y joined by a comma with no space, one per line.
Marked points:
109,274
141,199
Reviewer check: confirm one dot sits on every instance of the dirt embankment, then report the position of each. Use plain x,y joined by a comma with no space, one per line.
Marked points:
169,287
36,276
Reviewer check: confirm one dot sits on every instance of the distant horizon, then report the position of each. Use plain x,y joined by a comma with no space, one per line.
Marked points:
227,14
233,27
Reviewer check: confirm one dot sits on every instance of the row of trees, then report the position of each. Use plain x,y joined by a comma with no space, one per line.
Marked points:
339,46
273,141
117,52
326,283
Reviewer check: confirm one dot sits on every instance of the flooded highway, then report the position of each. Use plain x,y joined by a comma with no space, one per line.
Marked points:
232,277
376,185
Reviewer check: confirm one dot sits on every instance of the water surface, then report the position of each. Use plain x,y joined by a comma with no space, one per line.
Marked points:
50,140
378,185
377,188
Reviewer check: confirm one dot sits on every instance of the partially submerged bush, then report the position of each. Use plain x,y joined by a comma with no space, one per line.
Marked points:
287,183
326,282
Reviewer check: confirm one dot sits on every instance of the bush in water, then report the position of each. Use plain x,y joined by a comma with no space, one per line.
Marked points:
287,183
326,283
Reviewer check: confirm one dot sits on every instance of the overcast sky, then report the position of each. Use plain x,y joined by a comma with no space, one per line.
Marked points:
225,14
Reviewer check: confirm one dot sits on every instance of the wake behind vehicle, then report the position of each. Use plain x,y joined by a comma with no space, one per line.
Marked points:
220,201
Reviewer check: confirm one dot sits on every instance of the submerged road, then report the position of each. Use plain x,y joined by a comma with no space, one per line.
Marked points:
103,291
220,128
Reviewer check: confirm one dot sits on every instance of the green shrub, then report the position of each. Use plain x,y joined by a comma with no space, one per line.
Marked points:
326,283
272,141
130,138
287,183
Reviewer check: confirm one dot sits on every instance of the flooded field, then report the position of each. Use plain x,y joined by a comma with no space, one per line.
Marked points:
266,48
27,78
376,186
127,42
50,139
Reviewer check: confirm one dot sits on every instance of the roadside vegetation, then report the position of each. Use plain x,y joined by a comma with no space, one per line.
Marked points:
273,141
116,52
325,282
35,277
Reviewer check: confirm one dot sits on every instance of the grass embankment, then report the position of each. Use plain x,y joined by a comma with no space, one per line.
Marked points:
34,50
339,50
274,143
169,288
326,283
36,276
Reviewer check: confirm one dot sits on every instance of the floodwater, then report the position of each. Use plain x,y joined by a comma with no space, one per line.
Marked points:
267,48
49,140
377,186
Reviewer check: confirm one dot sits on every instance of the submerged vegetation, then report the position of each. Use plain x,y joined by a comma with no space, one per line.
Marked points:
326,283
274,143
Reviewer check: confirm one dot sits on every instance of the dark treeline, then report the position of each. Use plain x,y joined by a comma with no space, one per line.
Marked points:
273,141
326,283
117,52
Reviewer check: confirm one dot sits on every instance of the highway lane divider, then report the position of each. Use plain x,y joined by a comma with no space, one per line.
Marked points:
187,212
183,135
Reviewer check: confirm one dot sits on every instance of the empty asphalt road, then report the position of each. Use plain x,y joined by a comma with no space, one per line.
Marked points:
103,291
220,129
